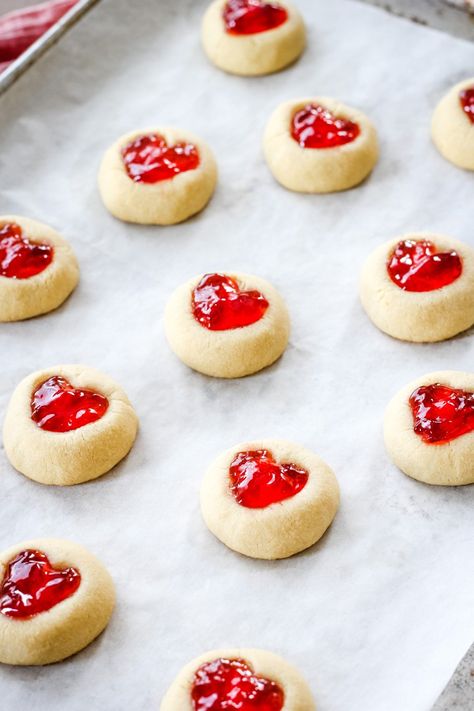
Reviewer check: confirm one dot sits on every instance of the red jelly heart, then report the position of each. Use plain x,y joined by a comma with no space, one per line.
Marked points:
441,413
316,127
31,585
248,17
228,684
59,407
417,266
19,257
149,159
218,303
466,97
258,481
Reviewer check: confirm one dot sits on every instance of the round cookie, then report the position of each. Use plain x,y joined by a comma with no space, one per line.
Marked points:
429,428
158,176
452,126
68,424
230,42
239,675
38,269
269,499
419,287
41,624
319,145
244,324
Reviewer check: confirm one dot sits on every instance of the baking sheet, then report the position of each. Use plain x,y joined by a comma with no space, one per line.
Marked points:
380,611
46,40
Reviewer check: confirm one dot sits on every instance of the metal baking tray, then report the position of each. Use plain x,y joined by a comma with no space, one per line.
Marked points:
29,57
360,610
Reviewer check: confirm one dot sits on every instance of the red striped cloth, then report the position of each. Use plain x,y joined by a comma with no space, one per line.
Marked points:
20,28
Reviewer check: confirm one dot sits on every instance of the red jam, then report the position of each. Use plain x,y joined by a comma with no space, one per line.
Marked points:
258,481
57,406
31,585
218,303
466,97
417,266
149,159
316,127
248,17
441,413
230,684
20,258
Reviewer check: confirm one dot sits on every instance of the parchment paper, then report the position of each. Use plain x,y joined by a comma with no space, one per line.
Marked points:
377,614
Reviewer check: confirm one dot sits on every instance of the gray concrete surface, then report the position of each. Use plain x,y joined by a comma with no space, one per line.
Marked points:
440,14
459,693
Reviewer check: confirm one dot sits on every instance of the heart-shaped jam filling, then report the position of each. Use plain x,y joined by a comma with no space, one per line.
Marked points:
149,159
228,684
441,413
219,304
316,127
248,17
258,481
59,407
415,265
466,97
31,585
19,257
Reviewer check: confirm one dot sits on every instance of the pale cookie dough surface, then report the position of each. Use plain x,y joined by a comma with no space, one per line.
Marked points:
296,691
235,352
425,316
72,457
281,529
165,202
319,170
43,292
67,627
447,464
452,130
255,54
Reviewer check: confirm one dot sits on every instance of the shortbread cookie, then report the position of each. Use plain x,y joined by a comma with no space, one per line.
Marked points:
55,598
68,424
429,428
38,269
318,145
420,287
249,679
252,37
227,325
452,127
158,176
269,499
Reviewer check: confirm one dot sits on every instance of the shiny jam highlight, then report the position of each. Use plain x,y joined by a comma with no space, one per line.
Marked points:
440,413
466,97
219,305
31,585
232,685
57,406
257,481
249,17
415,265
316,127
19,257
149,159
